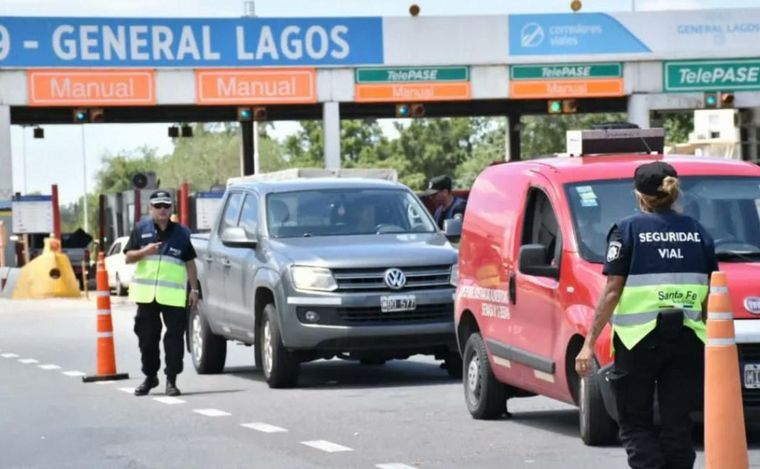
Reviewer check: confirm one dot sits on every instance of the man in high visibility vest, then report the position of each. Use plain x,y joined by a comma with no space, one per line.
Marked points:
165,263
658,267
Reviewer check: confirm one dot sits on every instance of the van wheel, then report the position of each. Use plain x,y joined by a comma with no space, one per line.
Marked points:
280,366
453,364
209,351
484,395
596,425
120,290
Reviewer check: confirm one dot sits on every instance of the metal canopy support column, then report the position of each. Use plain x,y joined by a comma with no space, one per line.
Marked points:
331,125
638,110
6,179
512,143
246,148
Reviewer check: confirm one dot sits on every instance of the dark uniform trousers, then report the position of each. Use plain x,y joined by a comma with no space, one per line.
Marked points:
148,330
670,362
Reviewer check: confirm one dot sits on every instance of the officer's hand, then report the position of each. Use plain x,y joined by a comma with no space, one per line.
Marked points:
192,300
151,249
584,362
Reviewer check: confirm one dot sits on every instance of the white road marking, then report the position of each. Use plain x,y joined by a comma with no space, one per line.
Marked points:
169,400
326,446
27,361
394,465
109,381
9,355
263,427
49,367
212,412
127,390
73,373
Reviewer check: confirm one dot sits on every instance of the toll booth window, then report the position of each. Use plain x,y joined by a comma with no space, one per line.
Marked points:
336,212
249,217
231,211
726,206
541,226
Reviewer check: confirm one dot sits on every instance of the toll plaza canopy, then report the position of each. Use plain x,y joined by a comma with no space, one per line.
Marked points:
203,69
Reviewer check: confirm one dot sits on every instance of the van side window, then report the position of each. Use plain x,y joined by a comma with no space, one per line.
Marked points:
231,211
540,226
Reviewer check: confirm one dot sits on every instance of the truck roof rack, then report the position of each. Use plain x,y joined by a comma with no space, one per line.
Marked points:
301,173
615,140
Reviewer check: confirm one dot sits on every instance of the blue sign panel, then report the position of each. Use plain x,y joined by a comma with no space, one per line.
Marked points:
156,42
32,198
570,34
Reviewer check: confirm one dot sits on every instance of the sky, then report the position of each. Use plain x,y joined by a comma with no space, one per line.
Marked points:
58,158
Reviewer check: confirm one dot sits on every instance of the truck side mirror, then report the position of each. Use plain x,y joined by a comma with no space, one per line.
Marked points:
533,261
236,237
452,229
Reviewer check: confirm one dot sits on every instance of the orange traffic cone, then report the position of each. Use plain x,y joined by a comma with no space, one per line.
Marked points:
106,357
725,437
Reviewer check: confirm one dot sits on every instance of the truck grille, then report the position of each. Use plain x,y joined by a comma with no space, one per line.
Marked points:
372,316
373,280
750,353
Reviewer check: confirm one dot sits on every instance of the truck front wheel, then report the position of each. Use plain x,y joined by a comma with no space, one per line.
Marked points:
484,394
209,351
280,366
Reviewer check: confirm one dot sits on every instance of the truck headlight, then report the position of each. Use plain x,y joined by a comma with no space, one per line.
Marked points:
313,278
454,277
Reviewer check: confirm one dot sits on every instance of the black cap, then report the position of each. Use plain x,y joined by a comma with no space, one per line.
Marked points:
438,183
160,197
648,177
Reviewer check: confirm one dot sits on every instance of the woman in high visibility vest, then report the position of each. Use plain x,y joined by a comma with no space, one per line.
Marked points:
658,266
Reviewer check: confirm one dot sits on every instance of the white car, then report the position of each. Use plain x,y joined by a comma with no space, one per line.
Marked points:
119,272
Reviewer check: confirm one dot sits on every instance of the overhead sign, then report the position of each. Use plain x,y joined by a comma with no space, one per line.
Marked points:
570,34
32,214
412,84
712,75
566,81
175,42
91,87
252,86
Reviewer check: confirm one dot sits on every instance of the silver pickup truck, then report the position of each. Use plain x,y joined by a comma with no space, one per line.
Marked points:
311,269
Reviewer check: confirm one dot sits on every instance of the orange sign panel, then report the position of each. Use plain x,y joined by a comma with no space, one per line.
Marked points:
267,86
395,92
588,88
91,87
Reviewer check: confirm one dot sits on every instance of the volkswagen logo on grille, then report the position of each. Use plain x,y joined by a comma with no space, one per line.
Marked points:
395,278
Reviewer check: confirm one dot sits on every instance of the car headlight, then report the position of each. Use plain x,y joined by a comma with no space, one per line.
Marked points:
313,278
454,277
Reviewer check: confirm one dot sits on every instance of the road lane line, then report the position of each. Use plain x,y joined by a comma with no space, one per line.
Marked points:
27,361
169,400
263,427
108,381
49,366
9,355
73,373
127,390
326,446
212,412
394,465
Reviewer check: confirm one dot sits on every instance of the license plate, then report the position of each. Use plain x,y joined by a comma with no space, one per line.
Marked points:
752,375
391,303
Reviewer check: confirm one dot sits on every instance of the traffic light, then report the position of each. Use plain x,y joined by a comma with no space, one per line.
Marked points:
718,99
562,106
173,131
259,113
97,114
244,114
80,115
410,110
187,130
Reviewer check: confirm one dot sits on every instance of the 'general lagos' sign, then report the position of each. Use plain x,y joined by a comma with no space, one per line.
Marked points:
716,75
175,42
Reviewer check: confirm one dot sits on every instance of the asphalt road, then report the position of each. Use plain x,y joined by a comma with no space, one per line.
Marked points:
405,414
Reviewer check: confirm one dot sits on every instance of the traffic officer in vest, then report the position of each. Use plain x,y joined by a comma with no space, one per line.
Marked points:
165,262
658,266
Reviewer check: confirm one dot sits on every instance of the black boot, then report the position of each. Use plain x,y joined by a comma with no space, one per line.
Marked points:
144,388
171,386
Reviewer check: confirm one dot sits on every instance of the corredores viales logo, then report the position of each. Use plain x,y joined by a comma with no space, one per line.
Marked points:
752,304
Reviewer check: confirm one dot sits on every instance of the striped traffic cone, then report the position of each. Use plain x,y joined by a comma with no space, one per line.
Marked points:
725,437
106,356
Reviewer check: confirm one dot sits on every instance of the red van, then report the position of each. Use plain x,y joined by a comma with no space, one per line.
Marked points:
530,269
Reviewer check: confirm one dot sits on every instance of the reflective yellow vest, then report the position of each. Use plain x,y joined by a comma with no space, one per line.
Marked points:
161,277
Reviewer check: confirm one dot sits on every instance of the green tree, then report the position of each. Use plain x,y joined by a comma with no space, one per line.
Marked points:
362,144
545,135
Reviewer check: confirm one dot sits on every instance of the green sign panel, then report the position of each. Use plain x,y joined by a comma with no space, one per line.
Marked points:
566,72
712,75
411,74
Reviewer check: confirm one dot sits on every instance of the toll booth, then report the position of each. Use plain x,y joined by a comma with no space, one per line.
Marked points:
120,210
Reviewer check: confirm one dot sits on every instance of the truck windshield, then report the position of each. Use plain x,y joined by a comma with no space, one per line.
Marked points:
728,207
336,212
